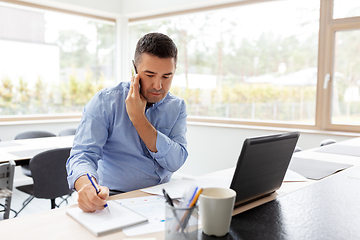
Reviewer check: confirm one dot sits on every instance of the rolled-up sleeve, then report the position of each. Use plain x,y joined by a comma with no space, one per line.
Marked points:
88,143
172,149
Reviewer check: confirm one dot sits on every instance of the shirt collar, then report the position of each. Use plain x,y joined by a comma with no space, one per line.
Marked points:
158,103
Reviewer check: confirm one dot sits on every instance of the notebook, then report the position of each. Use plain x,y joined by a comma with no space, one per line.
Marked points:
262,165
102,222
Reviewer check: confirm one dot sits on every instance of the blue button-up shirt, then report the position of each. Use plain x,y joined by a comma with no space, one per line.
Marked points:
108,146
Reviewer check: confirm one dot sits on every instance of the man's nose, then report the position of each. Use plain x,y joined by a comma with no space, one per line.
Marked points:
157,84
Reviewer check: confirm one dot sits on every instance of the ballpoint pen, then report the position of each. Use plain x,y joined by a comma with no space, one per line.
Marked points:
96,189
185,219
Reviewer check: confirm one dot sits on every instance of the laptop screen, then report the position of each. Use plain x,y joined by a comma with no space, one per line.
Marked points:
262,165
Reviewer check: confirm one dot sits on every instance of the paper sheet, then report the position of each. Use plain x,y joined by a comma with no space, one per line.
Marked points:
176,188
315,169
151,207
292,176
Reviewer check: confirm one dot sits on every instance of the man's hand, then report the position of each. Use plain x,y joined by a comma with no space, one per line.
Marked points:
135,101
135,107
88,200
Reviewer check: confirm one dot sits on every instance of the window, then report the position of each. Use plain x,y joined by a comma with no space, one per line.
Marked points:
52,63
342,88
276,63
256,62
345,91
346,8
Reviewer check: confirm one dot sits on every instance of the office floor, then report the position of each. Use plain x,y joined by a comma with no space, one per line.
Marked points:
36,205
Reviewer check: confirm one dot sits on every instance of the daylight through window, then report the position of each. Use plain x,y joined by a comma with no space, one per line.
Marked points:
240,65
52,63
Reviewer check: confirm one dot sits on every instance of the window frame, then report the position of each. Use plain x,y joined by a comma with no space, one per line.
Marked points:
328,27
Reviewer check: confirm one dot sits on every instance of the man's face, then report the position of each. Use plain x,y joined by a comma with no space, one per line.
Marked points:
156,76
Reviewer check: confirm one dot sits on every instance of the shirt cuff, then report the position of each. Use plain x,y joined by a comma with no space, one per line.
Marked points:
73,176
163,145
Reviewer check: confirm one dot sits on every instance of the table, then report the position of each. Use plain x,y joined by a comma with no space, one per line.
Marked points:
25,149
55,224
328,209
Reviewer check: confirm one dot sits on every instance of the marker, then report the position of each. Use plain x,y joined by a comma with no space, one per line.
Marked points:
96,189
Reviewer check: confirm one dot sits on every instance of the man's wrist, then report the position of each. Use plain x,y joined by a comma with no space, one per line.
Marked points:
139,120
81,182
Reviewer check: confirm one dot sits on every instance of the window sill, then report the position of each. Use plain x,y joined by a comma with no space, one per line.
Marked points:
26,121
191,122
226,124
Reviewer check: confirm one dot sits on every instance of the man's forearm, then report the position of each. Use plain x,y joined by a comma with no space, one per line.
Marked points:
147,132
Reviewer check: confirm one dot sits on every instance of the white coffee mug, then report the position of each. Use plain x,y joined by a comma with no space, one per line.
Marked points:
216,208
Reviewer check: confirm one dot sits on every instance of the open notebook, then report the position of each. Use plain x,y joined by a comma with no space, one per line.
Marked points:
103,222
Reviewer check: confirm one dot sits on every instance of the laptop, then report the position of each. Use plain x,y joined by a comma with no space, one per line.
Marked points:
262,165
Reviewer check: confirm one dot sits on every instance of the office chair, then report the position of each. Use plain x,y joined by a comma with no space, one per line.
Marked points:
6,186
26,135
50,177
327,142
67,132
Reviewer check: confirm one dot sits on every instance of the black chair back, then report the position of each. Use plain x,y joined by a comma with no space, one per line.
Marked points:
48,170
34,134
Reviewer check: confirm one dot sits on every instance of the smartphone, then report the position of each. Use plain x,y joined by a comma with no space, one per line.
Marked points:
136,72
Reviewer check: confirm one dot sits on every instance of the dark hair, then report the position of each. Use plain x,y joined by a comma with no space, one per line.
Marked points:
156,44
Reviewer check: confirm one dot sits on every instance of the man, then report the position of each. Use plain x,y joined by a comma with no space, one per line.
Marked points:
129,138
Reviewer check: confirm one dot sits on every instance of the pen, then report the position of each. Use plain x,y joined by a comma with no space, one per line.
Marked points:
185,219
168,198
96,189
196,197
170,202
192,197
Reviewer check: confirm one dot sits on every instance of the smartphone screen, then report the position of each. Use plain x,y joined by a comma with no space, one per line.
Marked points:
135,71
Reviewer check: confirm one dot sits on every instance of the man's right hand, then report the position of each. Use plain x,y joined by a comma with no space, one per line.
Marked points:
88,200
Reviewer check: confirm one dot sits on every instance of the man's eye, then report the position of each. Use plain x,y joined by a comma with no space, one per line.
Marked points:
150,75
166,77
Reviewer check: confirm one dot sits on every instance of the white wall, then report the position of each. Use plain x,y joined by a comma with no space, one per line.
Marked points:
213,148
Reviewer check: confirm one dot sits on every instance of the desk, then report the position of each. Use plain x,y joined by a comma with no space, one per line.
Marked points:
27,148
328,209
55,224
